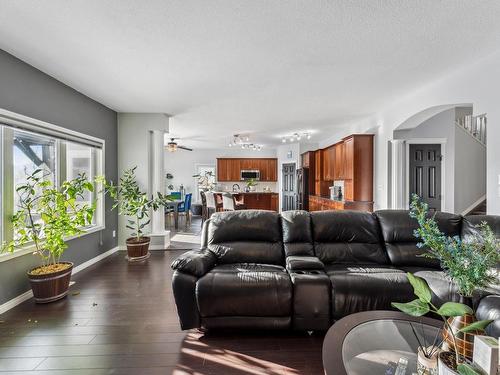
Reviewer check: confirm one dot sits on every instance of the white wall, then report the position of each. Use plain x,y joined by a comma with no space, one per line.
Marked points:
470,171
477,84
442,127
134,137
183,164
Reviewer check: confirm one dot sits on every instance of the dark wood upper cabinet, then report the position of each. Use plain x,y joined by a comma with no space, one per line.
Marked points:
229,169
339,162
329,163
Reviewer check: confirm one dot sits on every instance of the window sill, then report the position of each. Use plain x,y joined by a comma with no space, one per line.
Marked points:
29,249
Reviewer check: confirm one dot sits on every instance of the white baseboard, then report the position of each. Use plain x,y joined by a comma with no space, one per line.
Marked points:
29,294
473,205
15,301
94,260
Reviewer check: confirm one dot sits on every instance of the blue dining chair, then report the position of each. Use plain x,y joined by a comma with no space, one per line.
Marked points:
185,207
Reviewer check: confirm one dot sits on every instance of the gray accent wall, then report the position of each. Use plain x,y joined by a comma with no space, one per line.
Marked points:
30,92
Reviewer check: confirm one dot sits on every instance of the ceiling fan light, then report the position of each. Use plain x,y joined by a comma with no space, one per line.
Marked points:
172,147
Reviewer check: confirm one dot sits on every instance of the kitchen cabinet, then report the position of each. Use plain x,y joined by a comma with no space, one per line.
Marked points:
261,201
329,163
229,169
348,158
339,161
308,159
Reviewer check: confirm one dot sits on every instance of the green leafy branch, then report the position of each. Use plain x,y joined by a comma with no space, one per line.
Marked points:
470,262
133,203
47,215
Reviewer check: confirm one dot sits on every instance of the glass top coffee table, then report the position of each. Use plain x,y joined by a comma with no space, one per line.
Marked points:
371,342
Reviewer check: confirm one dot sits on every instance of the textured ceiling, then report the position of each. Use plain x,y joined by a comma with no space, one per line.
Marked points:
269,67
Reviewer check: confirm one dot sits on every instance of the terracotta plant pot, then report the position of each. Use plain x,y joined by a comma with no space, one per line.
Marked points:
138,250
52,286
447,363
427,366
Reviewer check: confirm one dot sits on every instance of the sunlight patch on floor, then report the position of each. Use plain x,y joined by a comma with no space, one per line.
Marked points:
189,238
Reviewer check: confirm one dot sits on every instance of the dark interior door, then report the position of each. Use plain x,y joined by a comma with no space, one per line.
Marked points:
289,191
425,174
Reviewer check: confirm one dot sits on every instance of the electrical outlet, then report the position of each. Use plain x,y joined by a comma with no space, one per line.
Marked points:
114,233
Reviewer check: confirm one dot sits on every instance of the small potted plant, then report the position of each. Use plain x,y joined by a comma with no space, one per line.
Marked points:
251,183
136,205
45,217
470,263
428,364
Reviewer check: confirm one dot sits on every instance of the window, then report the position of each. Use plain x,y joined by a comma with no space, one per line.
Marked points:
206,181
29,145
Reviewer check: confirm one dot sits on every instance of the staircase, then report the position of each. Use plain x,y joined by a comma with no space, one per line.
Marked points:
474,125
479,209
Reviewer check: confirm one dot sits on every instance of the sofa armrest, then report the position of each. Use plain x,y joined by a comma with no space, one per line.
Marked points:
294,263
195,262
489,308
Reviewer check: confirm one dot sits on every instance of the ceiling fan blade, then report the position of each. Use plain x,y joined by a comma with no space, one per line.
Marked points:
185,148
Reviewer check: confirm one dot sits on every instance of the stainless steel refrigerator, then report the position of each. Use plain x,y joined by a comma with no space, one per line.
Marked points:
303,189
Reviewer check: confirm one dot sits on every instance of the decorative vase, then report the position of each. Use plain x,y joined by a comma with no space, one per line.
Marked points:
465,341
447,364
427,366
50,287
138,250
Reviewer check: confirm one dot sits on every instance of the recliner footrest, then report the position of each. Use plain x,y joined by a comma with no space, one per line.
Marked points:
311,300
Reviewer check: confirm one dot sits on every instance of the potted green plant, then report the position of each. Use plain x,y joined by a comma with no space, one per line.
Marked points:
470,263
136,205
423,305
206,181
46,216
250,184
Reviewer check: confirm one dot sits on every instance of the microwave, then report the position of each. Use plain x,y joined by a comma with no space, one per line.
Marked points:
249,174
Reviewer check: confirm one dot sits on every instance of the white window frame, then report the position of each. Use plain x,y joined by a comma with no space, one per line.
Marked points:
26,123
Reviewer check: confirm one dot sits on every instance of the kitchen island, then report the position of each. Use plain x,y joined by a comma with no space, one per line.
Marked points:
322,203
255,200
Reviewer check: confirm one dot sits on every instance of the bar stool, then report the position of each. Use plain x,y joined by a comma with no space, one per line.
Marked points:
211,203
228,202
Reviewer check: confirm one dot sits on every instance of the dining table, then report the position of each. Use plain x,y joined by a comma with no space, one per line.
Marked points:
174,206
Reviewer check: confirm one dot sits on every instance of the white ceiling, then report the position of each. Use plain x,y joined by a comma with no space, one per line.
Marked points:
266,67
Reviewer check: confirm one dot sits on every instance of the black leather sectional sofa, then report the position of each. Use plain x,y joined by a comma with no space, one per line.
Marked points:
301,270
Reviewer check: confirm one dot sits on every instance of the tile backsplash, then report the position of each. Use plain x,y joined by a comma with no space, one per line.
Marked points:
228,186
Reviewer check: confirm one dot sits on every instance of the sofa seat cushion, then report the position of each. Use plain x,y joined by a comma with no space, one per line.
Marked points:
245,289
366,287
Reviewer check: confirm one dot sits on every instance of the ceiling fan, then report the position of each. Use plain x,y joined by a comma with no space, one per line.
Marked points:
172,146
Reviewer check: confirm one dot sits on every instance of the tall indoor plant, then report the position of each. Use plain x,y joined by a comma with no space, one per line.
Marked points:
45,217
136,206
470,263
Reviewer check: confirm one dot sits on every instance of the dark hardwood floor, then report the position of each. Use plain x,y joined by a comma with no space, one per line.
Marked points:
120,318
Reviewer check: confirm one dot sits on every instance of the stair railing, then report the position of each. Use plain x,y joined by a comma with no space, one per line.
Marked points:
474,125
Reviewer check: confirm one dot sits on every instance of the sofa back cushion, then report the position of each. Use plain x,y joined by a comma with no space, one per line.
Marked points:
398,232
347,237
470,223
246,236
297,235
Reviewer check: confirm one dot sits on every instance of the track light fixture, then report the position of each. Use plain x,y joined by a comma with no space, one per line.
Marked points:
244,143
295,137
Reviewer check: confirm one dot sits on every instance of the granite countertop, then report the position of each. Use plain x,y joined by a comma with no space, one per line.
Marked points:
328,198
242,192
